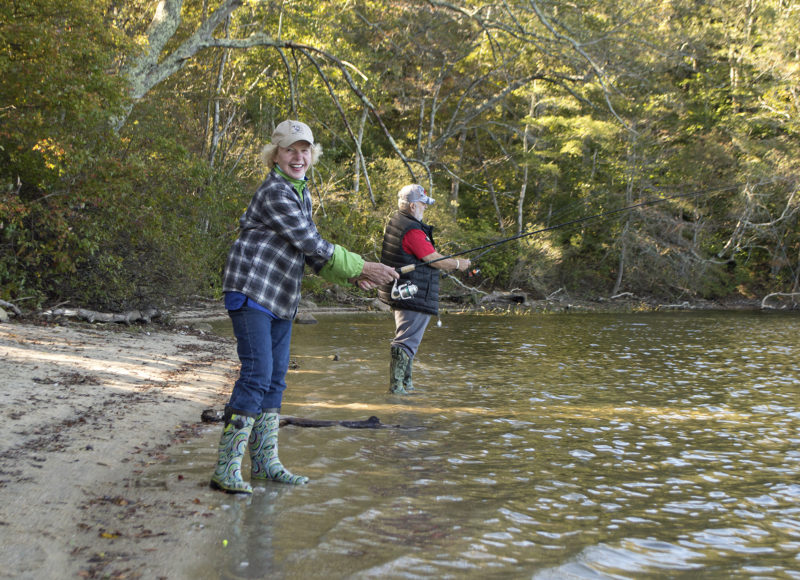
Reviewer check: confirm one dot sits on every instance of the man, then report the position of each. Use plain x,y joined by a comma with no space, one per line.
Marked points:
409,241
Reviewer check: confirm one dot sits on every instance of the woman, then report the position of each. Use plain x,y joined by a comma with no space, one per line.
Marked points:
261,282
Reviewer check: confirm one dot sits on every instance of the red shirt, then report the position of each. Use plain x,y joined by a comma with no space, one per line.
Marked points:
416,243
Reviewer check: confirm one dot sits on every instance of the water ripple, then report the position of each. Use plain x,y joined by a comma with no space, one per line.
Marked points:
587,447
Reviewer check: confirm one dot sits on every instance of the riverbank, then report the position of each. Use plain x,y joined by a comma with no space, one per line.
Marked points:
87,410
90,408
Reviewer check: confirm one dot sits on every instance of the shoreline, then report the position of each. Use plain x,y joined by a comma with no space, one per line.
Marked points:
91,408
87,411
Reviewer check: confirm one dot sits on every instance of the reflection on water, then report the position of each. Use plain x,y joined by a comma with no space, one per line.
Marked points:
551,446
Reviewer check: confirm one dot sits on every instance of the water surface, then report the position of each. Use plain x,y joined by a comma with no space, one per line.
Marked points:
544,446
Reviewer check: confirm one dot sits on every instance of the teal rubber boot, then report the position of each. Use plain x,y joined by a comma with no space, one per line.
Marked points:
232,447
264,452
397,370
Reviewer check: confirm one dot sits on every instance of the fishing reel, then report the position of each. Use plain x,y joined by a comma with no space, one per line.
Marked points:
404,291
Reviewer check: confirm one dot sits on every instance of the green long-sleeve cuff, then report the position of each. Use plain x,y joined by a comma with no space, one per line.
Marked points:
342,266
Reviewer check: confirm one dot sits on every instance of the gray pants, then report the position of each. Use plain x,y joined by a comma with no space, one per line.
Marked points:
409,328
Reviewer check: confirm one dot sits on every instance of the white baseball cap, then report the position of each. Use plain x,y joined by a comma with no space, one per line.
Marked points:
290,132
414,192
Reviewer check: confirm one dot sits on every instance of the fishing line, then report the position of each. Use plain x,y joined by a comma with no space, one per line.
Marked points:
487,247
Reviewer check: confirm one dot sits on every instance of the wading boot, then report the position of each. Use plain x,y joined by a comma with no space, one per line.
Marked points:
232,446
397,370
264,452
408,385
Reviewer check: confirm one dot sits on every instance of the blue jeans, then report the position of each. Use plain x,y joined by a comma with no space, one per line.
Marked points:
263,349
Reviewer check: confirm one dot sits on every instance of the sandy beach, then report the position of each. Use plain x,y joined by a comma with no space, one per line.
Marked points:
87,410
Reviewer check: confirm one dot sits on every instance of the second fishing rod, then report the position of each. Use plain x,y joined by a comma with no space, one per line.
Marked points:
412,267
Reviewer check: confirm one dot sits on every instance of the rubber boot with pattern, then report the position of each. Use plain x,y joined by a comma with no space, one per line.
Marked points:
397,370
264,452
408,384
232,447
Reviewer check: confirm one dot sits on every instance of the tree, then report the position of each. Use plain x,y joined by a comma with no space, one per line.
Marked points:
525,113
56,96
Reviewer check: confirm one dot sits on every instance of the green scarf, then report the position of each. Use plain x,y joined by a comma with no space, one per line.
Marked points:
298,184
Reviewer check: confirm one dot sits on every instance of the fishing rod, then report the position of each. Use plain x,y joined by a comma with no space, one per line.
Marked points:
412,267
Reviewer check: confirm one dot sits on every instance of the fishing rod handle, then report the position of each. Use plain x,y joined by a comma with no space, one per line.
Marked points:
407,269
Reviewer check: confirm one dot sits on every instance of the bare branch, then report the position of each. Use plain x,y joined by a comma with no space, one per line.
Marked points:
148,71
792,295
13,307
335,100
577,47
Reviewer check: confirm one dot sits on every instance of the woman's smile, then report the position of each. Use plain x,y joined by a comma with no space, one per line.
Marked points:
295,160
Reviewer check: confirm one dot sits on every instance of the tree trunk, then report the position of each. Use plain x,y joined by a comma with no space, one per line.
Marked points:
361,164
457,183
525,150
149,68
216,133
623,240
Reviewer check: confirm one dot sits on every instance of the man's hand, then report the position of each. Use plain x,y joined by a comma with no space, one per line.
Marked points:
375,274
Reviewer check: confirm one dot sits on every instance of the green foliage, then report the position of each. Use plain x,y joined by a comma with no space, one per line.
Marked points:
677,98
87,215
168,244
57,99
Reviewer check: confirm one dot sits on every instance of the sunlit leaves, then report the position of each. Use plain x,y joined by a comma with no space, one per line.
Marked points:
581,107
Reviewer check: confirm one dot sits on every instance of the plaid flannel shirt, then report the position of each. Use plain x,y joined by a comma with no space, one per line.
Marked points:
277,237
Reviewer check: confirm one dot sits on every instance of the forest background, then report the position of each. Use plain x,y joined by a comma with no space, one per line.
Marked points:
130,133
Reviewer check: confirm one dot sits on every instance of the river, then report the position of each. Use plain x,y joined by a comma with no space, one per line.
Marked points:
651,445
